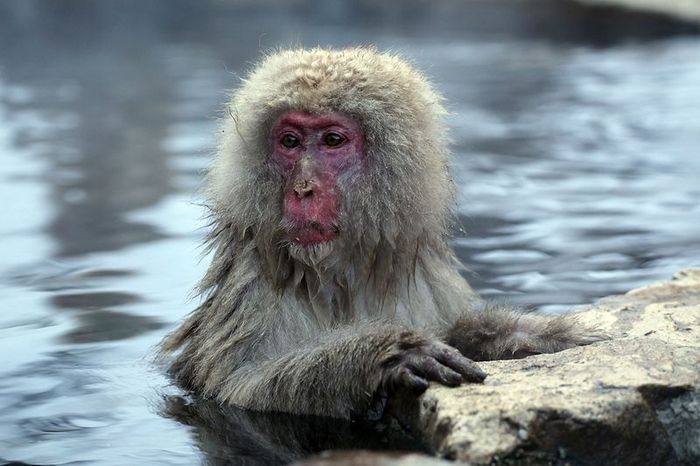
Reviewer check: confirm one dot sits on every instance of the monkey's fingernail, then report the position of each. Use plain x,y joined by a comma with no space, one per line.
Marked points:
477,375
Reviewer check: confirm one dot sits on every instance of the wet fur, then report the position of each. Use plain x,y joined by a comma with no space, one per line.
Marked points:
310,331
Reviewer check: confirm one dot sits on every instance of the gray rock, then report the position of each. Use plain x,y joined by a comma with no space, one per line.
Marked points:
371,458
634,399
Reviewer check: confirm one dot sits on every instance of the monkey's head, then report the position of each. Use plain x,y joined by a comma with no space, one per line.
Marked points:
333,153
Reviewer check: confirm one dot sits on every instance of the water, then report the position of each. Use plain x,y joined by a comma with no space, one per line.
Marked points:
576,137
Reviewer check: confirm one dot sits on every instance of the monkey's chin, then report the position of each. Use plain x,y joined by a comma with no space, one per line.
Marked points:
311,254
310,237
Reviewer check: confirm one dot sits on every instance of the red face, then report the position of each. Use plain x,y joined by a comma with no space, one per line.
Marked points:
313,152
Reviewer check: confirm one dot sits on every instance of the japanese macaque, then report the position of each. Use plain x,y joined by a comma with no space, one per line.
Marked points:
332,284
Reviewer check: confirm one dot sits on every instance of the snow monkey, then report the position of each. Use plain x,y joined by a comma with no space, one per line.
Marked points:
332,284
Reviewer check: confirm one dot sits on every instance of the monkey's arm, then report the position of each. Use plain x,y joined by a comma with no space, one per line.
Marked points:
347,372
491,331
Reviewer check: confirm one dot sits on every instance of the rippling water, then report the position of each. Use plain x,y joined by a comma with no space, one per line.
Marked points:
576,138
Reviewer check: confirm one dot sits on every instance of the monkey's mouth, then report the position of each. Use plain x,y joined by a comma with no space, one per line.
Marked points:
311,233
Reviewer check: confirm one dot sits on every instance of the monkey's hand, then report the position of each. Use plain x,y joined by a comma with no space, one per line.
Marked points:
494,331
415,361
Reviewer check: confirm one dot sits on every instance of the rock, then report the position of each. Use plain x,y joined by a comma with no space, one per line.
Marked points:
688,10
371,458
634,399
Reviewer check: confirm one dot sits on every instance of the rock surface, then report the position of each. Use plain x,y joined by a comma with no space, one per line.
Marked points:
371,458
688,10
634,399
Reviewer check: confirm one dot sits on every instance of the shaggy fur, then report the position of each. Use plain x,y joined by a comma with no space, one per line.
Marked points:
314,330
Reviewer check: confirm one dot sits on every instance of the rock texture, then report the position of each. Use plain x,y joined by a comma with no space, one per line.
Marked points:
371,458
634,399
688,10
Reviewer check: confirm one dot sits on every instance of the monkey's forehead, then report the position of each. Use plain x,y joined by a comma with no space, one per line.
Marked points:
381,90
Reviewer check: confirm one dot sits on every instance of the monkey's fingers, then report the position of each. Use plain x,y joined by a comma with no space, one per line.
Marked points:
429,368
402,377
468,369
415,383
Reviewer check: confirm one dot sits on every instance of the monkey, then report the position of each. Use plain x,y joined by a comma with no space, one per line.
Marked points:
332,285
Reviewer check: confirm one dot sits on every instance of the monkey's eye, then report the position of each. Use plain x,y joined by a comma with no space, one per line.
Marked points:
333,139
290,141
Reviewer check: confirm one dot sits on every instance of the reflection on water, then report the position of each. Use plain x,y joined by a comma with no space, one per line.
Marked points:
228,435
576,137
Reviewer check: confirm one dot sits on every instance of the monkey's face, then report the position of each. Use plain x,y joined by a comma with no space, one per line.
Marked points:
314,154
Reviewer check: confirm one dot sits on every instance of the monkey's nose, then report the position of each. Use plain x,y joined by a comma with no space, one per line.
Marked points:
303,189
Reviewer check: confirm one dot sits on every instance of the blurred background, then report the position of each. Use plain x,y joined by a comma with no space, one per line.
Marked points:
576,133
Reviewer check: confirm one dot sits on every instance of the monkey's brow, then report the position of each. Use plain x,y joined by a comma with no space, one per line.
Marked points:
325,127
311,121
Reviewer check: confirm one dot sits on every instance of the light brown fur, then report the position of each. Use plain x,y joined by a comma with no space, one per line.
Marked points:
315,330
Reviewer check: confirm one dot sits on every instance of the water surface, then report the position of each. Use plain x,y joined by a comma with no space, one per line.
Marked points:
576,137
